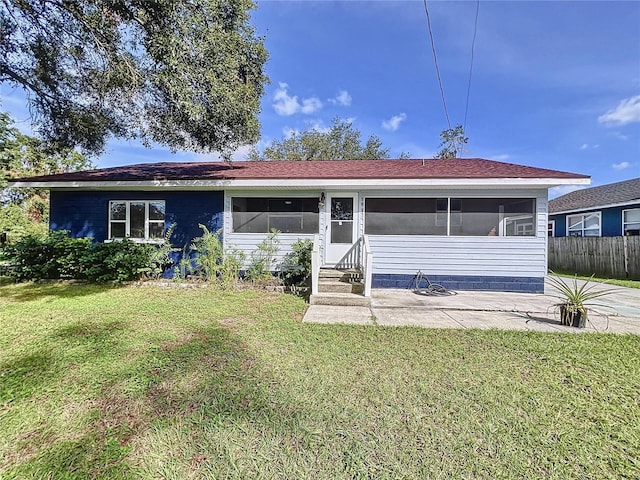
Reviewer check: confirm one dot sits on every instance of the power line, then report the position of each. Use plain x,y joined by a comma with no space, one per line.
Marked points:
435,59
473,43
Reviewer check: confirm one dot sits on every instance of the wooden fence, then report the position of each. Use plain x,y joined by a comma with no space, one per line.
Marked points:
612,257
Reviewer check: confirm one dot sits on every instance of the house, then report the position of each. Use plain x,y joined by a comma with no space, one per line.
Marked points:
468,223
609,210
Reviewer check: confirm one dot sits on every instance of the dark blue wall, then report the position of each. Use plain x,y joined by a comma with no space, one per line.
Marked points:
86,214
611,221
462,282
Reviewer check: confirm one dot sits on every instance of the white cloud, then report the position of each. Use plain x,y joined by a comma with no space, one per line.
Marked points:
287,105
394,122
343,98
621,136
628,111
317,125
563,190
587,146
503,157
621,165
310,105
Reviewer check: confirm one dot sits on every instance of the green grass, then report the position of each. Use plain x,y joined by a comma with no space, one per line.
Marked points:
150,382
610,281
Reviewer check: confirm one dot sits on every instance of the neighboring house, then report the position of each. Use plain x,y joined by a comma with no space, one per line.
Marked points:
606,211
467,223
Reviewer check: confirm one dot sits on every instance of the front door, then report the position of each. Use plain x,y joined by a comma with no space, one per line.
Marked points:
342,226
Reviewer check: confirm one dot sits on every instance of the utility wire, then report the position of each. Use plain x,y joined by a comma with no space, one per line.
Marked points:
435,59
473,43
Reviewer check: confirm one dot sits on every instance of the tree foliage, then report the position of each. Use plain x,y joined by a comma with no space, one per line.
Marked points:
452,142
340,142
26,210
181,73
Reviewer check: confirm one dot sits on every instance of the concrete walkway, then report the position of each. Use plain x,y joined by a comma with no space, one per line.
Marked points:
618,312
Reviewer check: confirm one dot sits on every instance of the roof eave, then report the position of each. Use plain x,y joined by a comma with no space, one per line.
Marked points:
635,201
311,183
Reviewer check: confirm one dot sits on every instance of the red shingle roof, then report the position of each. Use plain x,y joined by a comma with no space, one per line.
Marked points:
473,168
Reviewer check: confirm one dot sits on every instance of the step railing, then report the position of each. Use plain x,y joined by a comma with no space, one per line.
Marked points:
367,265
353,258
360,257
315,264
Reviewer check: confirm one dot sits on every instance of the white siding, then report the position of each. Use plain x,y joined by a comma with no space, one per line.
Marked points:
248,242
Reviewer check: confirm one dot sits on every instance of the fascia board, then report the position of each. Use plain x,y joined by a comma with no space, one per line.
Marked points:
309,183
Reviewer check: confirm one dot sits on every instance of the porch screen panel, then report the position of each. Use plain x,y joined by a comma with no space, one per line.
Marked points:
405,216
492,217
287,215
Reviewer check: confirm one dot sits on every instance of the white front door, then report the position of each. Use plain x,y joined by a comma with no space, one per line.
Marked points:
342,226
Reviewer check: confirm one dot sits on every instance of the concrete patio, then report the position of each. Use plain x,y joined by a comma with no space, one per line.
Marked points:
618,312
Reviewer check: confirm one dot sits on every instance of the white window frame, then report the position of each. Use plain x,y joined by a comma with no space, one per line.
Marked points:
551,228
624,224
584,217
127,221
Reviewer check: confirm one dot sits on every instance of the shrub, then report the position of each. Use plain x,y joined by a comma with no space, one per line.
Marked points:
208,251
160,256
230,268
296,265
117,262
261,259
52,256
184,266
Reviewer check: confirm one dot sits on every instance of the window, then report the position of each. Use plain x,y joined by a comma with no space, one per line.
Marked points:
288,215
136,219
461,216
504,217
551,228
584,225
405,216
631,221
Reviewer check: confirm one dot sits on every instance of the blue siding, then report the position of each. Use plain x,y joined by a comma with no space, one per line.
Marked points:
464,282
560,228
85,214
611,221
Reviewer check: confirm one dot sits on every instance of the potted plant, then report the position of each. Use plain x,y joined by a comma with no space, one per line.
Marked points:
575,299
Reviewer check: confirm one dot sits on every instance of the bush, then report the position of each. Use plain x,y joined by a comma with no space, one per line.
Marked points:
230,268
296,265
117,262
261,259
58,256
53,256
208,253
160,256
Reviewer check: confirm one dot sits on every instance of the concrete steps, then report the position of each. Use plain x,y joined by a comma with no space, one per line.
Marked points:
340,287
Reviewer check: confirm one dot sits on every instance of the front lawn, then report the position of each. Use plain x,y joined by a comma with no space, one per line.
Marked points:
175,383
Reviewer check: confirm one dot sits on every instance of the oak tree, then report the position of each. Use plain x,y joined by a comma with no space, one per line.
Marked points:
26,210
341,142
186,74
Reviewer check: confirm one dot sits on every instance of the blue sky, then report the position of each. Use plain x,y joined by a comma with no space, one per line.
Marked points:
555,84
